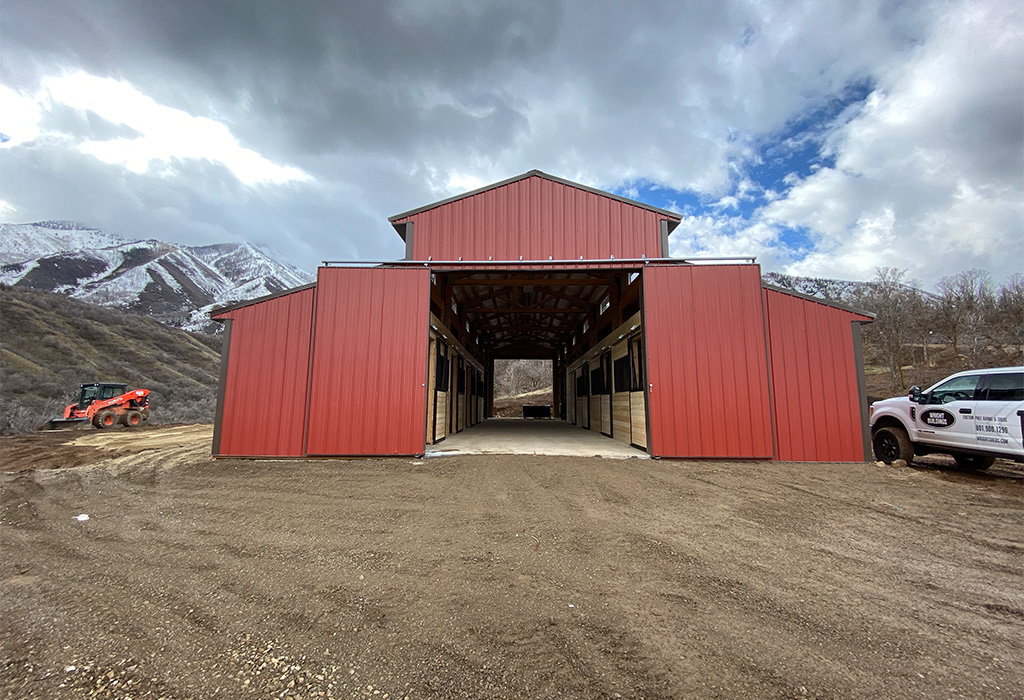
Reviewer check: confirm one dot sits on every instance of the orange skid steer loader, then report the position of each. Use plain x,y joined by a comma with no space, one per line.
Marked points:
105,405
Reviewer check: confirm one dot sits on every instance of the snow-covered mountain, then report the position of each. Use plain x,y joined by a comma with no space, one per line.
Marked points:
176,284
22,242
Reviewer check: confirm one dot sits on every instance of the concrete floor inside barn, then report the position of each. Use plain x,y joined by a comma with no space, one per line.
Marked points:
523,436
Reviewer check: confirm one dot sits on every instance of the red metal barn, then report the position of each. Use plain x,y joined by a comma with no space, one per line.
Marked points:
676,358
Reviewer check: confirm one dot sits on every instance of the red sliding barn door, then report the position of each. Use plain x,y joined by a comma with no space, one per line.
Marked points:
707,362
367,383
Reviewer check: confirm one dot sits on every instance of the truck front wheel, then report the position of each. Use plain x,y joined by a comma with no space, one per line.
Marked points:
892,443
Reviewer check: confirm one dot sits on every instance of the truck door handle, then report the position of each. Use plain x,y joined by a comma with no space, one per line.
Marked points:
965,411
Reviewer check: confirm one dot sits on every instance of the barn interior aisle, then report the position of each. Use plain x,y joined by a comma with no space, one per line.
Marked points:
526,436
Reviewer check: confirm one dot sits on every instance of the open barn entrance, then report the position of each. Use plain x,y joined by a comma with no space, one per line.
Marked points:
523,389
547,339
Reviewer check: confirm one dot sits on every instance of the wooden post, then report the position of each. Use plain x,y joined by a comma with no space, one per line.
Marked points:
489,388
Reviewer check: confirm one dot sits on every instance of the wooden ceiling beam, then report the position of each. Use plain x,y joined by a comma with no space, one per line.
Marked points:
557,312
528,282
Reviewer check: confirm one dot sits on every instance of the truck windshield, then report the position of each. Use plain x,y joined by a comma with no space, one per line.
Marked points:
956,389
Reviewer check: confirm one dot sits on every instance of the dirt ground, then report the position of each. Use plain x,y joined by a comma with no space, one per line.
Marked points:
499,576
512,406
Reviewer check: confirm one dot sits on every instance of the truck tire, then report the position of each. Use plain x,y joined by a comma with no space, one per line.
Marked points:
105,419
977,462
131,419
892,443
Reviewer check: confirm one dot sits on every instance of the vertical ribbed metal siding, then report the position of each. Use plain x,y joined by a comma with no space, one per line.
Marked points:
268,366
369,368
707,362
536,218
814,380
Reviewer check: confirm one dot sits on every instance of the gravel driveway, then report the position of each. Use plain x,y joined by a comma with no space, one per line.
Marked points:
499,576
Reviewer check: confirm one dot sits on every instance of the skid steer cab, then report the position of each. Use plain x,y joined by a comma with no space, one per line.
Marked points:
105,406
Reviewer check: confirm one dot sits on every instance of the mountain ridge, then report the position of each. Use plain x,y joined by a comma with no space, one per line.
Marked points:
176,284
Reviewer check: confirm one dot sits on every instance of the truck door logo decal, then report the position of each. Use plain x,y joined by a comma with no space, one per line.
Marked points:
937,418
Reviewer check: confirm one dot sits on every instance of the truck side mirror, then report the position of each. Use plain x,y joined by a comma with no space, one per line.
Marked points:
915,395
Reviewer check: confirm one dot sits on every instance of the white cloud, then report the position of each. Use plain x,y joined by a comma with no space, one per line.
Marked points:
19,117
928,175
165,133
706,236
390,107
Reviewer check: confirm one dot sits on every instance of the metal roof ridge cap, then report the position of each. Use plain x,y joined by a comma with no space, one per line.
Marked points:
745,260
528,174
819,300
457,197
610,195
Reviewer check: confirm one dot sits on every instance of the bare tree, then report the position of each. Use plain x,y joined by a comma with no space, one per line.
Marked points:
1009,317
951,313
967,301
894,303
514,377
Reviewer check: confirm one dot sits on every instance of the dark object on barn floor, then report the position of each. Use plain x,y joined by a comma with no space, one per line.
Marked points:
536,411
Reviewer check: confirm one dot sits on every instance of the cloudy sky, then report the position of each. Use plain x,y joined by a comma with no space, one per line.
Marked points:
824,138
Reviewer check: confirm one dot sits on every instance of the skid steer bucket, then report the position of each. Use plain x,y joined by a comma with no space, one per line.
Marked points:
64,424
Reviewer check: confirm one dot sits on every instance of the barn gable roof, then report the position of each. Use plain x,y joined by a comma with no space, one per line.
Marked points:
866,316
398,219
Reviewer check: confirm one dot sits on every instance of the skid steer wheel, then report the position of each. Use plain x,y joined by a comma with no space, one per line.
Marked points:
131,419
891,444
973,461
105,419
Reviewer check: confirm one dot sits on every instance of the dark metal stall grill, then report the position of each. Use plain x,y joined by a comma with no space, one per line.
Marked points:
683,360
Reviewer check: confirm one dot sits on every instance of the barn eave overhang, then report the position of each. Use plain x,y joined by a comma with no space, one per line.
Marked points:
216,314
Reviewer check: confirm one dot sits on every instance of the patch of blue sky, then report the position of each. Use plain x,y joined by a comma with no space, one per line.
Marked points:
797,150
663,197
776,162
797,242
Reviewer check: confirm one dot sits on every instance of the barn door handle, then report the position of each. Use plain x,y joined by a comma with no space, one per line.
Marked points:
965,411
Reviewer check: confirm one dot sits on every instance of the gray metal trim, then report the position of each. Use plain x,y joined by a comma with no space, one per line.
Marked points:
267,297
309,375
427,389
862,387
771,384
741,260
647,372
218,417
819,300
532,173
408,236
663,228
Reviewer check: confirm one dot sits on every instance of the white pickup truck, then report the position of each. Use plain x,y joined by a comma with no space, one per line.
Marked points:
975,416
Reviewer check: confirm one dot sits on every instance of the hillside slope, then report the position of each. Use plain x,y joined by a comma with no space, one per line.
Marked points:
49,344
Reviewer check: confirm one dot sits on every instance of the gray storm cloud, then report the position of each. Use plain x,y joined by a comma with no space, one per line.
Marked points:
387,106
